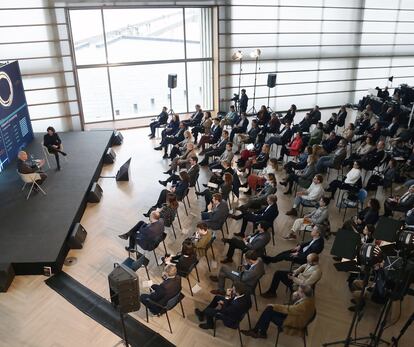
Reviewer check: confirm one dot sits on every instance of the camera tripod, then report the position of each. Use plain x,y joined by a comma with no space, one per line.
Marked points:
395,340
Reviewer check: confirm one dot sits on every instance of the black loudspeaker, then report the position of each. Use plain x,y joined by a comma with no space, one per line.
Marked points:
117,139
95,194
172,81
110,156
123,172
6,276
124,289
77,237
271,80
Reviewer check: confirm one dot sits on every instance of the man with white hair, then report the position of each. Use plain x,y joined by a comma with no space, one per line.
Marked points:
26,168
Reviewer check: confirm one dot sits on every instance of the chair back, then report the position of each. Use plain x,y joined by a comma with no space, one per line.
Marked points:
193,182
28,178
362,195
173,301
311,320
213,238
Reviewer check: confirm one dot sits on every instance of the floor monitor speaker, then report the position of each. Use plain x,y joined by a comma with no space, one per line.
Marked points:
117,139
110,156
95,194
6,276
77,236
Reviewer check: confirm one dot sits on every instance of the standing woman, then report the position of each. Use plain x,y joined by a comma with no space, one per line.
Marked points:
52,141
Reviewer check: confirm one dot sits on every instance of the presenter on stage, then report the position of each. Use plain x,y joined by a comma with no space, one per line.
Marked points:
26,167
53,143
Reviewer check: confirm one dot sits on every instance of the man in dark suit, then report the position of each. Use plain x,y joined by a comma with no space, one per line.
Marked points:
193,172
244,100
216,217
374,158
216,149
247,277
256,242
240,126
391,128
283,137
163,292
300,252
314,115
214,137
267,214
195,118
147,236
403,203
173,140
156,123
25,167
230,309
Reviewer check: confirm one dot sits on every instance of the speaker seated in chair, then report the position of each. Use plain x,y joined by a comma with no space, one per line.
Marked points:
52,146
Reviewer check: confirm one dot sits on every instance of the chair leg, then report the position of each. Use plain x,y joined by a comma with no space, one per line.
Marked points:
260,287
214,327
198,277
168,320
273,235
277,337
222,232
188,200
255,302
208,262
146,269
146,313
165,248
185,206
212,252
30,191
173,229
155,256
179,220
189,284
182,308
250,322
240,337
227,227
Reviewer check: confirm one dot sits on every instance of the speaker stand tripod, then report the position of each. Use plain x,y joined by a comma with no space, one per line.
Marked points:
269,109
123,342
171,111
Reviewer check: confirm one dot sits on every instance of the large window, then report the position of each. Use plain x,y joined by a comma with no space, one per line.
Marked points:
124,56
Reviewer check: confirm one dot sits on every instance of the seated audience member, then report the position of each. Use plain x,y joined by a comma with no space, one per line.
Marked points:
202,236
407,168
192,171
217,149
257,201
195,118
263,116
249,137
183,160
316,135
172,127
301,162
293,318
183,260
283,137
385,118
217,176
304,125
348,132
247,277
267,214
217,214
401,149
26,167
374,158
179,190
368,215
362,124
158,122
230,308
364,148
181,147
214,137
168,211
368,110
293,148
331,143
226,156
163,292
306,275
409,218
254,180
351,182
273,126
257,161
172,140
331,123
204,127
256,242
303,178
391,129
314,115
53,143
310,196
224,189
342,113
319,216
290,115
231,116
332,160
300,252
146,235
402,203
385,178
240,126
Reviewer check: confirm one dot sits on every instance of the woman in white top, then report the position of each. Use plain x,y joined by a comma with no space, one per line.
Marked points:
259,179
351,182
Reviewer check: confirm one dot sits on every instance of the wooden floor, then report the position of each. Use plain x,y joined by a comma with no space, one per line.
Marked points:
31,314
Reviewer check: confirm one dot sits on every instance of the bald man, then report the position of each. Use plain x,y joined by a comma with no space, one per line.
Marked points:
146,235
25,167
307,274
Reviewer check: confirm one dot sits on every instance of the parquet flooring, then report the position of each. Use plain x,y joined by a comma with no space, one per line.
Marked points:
31,314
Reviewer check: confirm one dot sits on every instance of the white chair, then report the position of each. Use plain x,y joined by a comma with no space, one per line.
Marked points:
31,180
47,154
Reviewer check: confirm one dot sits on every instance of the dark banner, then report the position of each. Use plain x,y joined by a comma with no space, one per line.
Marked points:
15,127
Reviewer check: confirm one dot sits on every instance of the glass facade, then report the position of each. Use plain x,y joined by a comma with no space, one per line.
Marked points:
124,57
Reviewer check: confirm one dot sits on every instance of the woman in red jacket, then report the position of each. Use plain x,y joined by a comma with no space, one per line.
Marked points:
293,148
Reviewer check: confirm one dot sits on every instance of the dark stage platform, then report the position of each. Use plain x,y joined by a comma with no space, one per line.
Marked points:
33,232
